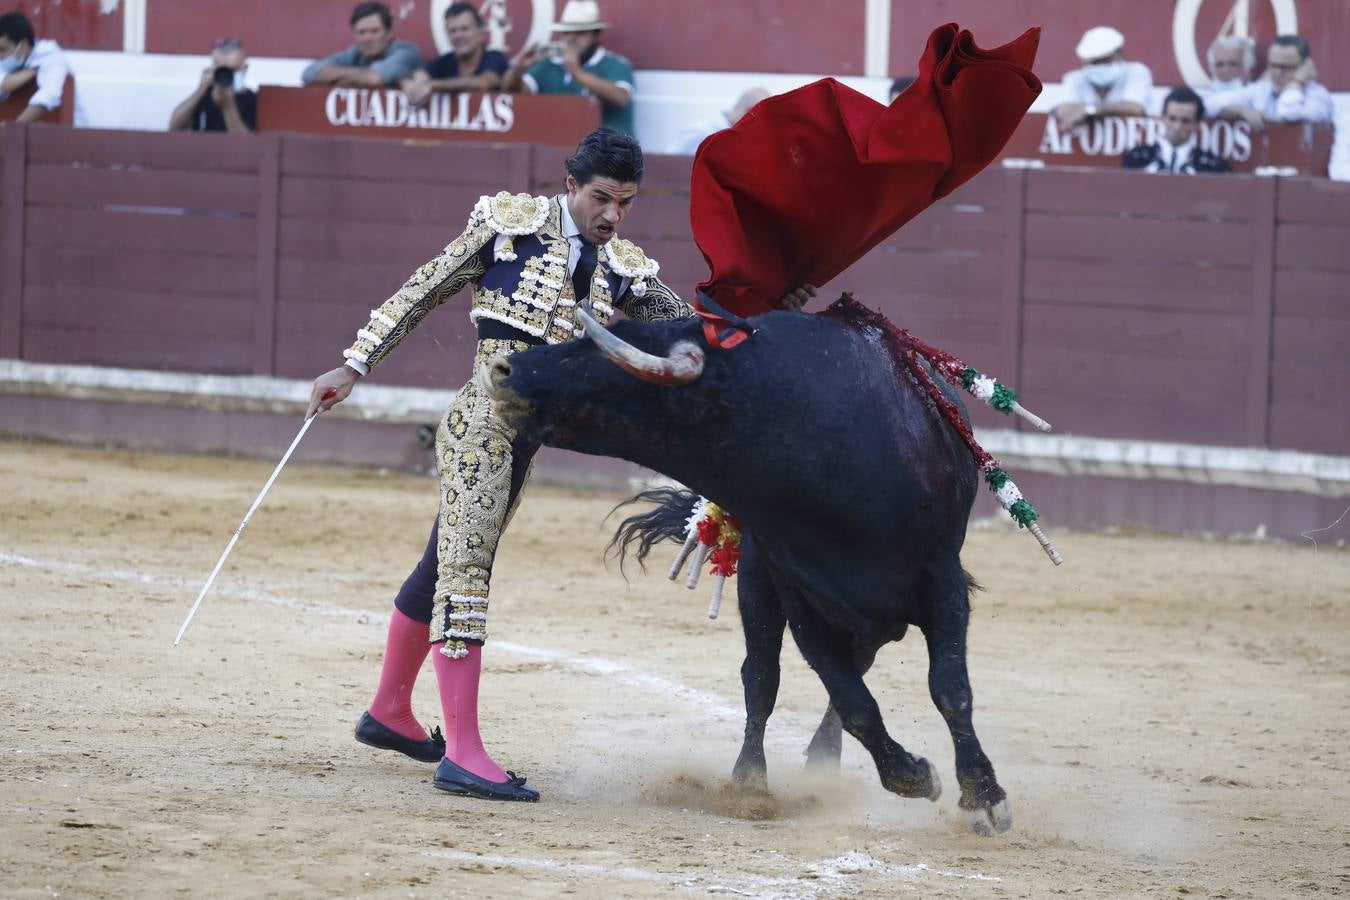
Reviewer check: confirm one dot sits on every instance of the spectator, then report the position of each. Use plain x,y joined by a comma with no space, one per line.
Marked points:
467,67
578,65
690,138
1178,150
898,87
376,59
1107,85
23,60
1232,60
221,102
1288,92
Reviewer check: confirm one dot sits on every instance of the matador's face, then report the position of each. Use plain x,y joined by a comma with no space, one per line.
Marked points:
599,205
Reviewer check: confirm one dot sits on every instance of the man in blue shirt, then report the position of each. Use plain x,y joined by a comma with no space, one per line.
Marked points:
467,67
376,59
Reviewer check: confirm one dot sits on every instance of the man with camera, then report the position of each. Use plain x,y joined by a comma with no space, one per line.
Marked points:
577,64
220,102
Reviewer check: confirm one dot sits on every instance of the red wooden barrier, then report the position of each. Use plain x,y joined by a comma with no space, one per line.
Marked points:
17,102
1121,305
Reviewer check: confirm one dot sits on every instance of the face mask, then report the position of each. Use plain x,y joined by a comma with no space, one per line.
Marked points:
1105,74
1220,87
11,63
238,82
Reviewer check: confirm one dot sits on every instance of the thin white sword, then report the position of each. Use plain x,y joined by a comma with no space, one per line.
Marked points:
240,530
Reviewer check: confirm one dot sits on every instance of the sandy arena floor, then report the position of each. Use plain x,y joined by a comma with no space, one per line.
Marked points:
1168,716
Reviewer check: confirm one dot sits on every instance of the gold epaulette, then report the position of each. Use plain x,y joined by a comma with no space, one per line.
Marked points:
511,215
628,260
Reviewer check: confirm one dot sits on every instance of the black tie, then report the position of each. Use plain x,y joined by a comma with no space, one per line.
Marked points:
582,274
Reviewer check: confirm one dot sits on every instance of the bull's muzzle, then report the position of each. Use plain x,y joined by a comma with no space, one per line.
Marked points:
683,365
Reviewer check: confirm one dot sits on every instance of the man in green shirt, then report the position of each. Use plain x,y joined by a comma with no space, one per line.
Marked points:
577,64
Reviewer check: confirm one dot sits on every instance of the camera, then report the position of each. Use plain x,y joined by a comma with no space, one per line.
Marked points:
223,77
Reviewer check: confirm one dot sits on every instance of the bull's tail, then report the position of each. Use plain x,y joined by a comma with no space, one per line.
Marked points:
669,521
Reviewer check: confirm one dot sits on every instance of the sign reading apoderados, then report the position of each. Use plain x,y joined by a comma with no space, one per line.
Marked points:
560,120
1289,147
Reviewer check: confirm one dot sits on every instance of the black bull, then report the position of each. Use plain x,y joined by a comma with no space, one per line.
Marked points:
853,497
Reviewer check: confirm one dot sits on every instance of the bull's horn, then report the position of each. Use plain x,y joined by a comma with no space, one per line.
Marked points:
684,364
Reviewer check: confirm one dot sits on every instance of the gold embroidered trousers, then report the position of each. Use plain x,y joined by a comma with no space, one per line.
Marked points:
483,466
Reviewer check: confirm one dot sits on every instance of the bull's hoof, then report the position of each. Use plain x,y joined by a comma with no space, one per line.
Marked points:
822,754
927,785
822,763
749,776
935,788
986,820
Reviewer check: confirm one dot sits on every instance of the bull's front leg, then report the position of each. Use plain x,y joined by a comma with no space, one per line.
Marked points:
763,622
985,803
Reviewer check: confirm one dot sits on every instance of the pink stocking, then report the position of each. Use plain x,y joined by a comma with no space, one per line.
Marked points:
404,652
458,679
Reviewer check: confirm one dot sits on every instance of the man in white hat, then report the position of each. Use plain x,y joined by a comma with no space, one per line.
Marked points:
1107,85
576,64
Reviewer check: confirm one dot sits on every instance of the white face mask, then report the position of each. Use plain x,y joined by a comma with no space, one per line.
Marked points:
1220,87
1105,74
238,82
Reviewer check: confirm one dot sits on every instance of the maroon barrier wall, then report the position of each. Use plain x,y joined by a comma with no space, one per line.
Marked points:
1206,309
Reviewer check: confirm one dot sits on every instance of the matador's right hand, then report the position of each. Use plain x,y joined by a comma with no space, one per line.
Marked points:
330,389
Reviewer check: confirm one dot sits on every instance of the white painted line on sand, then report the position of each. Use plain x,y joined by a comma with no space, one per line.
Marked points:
712,704
835,874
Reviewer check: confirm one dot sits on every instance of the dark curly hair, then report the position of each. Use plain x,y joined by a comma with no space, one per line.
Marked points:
609,154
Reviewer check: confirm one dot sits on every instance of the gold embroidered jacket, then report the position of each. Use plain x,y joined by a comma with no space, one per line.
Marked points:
521,280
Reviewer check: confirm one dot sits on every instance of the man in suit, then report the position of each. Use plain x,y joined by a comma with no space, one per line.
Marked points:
1177,150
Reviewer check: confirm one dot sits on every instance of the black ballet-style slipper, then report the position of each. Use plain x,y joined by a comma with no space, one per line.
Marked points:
373,734
455,779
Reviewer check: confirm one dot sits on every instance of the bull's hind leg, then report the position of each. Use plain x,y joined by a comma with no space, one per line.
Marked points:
763,622
831,655
822,754
984,801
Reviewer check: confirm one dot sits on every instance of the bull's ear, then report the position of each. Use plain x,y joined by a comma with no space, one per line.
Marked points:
683,365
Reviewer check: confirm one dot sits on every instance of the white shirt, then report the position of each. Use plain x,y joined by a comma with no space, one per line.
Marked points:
1217,100
574,241
1296,103
1175,158
50,61
1135,84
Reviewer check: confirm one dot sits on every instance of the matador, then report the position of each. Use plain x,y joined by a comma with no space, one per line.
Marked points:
531,261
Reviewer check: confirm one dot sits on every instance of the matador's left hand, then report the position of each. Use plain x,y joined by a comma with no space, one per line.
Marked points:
798,297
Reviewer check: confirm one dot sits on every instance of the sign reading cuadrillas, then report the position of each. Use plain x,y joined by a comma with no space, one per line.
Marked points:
389,108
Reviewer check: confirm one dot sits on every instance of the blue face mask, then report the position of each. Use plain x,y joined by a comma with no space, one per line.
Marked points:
11,63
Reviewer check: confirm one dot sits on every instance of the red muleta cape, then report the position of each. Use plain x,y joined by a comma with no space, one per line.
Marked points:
810,180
